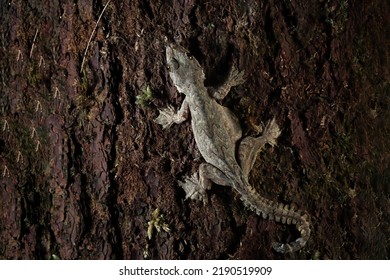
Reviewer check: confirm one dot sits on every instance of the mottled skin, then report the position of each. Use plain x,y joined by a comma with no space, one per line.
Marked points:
217,133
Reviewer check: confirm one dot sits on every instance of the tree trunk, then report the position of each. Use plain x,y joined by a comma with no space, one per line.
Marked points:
87,174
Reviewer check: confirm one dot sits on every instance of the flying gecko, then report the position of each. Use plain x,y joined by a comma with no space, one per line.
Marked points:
228,157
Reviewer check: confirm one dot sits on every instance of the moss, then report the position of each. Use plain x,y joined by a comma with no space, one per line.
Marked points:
34,77
84,81
337,16
145,97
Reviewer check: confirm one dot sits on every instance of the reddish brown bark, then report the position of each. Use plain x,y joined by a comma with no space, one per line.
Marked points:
83,165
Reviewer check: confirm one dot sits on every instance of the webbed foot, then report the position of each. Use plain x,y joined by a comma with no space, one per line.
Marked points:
193,188
235,77
167,117
271,132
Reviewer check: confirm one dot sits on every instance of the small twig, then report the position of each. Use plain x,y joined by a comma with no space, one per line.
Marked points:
90,38
38,145
33,133
41,61
57,93
38,107
19,157
19,55
6,171
32,46
6,125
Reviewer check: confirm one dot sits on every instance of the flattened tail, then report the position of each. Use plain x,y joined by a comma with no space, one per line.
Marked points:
279,212
303,227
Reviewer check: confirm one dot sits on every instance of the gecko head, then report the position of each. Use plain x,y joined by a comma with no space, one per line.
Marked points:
184,70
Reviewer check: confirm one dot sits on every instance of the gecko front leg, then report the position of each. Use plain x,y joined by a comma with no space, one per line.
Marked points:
235,78
250,147
168,116
195,186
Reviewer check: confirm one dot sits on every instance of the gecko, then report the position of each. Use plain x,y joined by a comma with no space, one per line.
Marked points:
228,156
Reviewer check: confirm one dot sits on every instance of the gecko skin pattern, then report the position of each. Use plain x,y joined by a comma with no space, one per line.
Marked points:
229,157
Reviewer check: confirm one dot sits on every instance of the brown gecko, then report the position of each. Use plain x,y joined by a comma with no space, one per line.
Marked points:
218,134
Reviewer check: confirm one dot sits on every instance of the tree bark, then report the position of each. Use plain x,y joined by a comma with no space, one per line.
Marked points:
84,167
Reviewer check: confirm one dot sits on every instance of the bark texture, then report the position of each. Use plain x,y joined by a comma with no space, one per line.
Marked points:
84,167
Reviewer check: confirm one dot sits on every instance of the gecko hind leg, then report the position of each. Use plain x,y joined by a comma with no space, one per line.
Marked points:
250,147
235,78
168,116
196,185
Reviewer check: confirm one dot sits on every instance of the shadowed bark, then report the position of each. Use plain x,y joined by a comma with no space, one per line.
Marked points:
83,167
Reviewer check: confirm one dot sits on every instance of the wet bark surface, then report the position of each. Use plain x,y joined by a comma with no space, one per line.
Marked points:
84,168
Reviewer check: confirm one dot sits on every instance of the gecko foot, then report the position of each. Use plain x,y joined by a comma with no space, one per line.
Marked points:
271,132
193,188
167,117
235,77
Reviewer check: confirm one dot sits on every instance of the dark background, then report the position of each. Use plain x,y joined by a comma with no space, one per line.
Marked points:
83,166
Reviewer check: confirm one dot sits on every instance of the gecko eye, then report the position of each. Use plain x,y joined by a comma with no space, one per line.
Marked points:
175,64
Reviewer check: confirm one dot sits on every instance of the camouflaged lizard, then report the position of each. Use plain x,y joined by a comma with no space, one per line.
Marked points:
218,134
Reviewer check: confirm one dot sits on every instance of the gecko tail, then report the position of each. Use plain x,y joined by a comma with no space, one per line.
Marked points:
279,212
303,227
289,247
